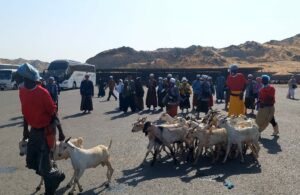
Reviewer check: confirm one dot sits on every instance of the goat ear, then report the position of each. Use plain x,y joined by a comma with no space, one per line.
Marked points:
66,141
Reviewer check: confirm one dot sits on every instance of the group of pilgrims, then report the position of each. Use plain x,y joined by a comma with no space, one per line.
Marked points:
162,93
171,93
238,92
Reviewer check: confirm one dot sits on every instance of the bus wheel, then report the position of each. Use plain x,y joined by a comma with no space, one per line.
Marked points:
74,85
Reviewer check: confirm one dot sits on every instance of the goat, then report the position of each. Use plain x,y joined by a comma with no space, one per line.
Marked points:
239,135
23,151
207,138
86,158
166,135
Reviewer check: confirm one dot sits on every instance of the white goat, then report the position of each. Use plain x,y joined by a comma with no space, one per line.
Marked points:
240,135
170,120
83,159
207,139
23,151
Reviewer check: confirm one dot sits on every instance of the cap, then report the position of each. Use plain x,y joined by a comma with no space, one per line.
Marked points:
28,71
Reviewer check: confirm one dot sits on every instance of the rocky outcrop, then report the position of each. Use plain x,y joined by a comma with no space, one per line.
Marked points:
249,52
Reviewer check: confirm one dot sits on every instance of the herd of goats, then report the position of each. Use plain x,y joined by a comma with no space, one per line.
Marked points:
179,137
189,138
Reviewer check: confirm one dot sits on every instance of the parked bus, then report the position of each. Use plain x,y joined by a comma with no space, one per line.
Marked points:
69,73
7,79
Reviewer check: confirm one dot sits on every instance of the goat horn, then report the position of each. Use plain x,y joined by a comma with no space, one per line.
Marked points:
66,141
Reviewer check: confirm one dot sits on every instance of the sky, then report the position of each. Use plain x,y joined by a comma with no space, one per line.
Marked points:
80,29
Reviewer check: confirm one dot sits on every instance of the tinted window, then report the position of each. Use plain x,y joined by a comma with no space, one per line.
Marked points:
5,74
58,65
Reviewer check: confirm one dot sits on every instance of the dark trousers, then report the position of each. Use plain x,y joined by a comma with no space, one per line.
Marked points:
129,101
38,159
111,93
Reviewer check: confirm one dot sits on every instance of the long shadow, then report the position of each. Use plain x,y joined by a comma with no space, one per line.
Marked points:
220,172
122,115
271,144
16,118
74,115
112,112
11,124
145,172
217,172
94,190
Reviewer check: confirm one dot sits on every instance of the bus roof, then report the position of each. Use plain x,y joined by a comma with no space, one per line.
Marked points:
72,62
9,66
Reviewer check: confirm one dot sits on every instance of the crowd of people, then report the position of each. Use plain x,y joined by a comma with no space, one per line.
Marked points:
39,104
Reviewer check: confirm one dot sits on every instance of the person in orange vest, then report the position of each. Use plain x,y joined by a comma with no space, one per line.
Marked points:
236,83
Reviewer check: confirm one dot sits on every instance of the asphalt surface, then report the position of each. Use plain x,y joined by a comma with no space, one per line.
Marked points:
278,171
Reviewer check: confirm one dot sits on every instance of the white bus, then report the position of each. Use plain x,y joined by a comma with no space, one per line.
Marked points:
7,79
69,74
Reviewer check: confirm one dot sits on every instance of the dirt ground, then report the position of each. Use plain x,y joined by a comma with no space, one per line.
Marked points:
278,171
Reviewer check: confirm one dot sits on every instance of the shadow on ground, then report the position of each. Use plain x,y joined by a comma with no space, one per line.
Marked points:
217,172
11,125
271,145
75,115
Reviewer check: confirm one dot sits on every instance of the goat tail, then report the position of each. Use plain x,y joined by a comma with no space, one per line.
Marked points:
109,144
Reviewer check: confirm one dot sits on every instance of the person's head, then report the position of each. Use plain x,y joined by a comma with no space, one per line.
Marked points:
29,75
265,79
111,77
233,68
172,81
250,77
151,76
258,79
184,80
120,81
169,76
198,76
51,80
86,77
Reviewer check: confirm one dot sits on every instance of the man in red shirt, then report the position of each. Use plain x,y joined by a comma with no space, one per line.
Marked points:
38,110
236,83
265,114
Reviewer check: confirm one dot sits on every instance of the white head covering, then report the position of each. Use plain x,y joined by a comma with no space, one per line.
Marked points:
172,80
184,79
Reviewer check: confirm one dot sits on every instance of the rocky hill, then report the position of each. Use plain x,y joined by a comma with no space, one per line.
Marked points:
36,63
278,56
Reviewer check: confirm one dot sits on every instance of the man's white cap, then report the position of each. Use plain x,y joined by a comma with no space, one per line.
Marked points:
172,80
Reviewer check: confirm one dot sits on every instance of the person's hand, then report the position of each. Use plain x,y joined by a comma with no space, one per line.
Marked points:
61,136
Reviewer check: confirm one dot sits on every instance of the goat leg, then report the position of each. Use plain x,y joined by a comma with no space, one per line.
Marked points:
40,184
241,152
227,152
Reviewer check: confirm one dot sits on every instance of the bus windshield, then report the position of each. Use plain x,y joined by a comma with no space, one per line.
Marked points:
5,74
58,65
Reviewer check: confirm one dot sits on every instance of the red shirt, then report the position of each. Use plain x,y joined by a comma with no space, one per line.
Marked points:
37,106
236,82
267,95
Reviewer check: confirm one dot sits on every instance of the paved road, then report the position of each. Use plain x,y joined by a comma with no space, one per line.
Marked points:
278,173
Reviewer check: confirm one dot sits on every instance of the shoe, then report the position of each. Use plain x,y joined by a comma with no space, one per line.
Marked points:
52,181
276,130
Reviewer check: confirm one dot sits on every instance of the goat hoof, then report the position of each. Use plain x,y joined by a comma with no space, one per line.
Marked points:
70,193
38,188
107,185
